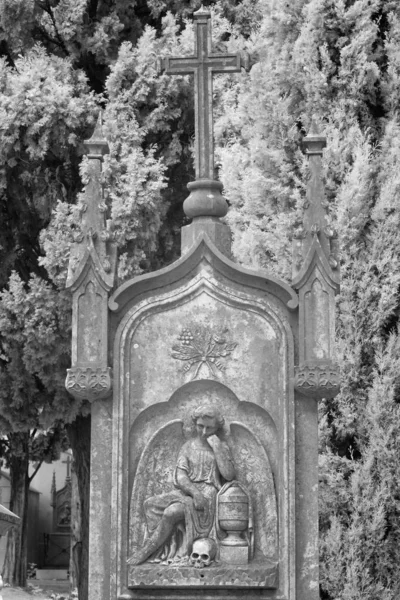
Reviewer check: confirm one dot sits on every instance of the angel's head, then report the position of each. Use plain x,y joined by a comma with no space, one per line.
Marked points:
207,421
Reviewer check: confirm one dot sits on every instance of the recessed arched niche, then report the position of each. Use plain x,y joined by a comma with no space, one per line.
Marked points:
156,440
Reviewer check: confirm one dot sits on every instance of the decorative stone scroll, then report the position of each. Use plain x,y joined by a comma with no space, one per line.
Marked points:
89,383
318,381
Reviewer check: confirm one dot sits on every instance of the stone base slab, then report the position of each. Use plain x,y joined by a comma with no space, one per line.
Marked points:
262,573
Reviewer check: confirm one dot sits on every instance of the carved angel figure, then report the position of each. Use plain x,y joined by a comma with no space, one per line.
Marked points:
176,518
176,483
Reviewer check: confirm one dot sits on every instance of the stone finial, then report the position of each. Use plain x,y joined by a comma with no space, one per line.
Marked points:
95,237
314,224
202,12
314,142
316,277
91,276
314,220
97,145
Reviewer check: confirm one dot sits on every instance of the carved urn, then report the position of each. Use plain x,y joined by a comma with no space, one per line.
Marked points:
233,514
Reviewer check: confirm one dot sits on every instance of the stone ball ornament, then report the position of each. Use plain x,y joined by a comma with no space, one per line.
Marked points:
203,553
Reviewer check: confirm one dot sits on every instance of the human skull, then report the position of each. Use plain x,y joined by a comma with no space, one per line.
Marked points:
203,553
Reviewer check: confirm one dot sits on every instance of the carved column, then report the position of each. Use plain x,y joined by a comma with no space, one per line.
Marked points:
316,278
91,277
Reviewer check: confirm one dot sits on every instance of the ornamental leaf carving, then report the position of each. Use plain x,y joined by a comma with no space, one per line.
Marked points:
202,347
89,383
318,381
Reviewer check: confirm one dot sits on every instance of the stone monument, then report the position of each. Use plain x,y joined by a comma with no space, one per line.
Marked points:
57,543
204,379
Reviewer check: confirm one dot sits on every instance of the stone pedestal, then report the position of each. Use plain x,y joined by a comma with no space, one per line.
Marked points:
218,233
234,555
203,332
204,379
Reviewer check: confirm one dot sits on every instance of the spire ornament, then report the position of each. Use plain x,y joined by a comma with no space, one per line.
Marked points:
91,276
316,277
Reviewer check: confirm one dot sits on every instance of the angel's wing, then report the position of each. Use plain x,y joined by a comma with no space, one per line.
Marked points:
253,469
154,474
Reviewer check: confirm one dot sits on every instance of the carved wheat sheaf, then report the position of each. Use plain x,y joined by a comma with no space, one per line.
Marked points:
202,347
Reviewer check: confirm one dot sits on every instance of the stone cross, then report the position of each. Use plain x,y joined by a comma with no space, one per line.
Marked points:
202,65
68,463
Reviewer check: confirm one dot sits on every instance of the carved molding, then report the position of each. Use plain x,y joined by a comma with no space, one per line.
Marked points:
86,257
317,381
204,252
89,383
315,258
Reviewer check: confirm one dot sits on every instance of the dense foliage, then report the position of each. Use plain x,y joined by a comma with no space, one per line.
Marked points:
338,60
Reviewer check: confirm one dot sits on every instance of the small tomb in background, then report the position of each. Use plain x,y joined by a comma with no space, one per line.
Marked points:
57,543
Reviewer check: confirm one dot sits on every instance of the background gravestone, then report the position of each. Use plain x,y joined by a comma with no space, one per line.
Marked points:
204,343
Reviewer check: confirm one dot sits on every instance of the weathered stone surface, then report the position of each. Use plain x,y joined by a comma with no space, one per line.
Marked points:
100,570
169,505
316,277
258,574
91,276
196,340
318,381
242,512
205,202
89,383
306,569
234,555
202,65
315,224
218,233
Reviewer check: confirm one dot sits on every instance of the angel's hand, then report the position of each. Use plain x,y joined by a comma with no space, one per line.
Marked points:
214,441
200,503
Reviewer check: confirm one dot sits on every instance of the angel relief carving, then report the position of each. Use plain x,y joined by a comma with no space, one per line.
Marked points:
216,487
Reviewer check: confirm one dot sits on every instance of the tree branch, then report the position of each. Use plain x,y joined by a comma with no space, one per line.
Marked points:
46,7
35,471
